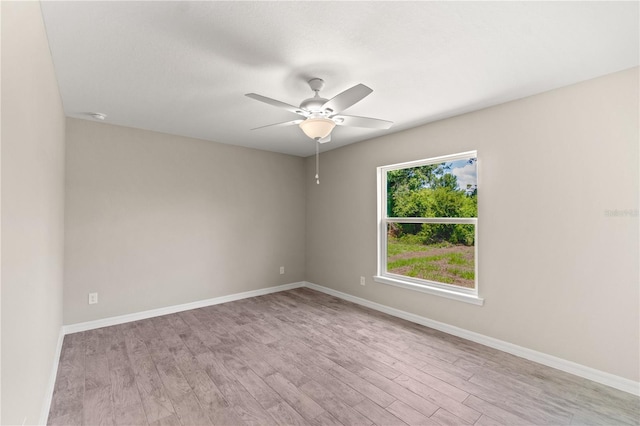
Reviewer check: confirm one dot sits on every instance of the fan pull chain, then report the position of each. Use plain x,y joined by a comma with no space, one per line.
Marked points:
318,162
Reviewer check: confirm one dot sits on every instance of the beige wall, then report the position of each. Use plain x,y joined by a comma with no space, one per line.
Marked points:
155,220
558,275
33,127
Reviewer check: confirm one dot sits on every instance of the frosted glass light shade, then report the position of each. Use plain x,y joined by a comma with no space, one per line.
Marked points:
317,128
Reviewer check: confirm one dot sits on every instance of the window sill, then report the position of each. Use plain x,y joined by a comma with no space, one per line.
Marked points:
467,298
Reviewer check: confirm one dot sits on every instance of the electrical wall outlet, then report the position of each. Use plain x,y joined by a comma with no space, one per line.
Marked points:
281,270
362,281
93,298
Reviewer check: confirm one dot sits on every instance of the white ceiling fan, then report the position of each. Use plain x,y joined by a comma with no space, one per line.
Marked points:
322,115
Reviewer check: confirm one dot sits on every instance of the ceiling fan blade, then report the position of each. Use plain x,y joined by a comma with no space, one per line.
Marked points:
276,103
347,98
286,123
370,123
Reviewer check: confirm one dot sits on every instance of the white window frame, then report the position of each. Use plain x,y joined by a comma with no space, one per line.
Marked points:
426,286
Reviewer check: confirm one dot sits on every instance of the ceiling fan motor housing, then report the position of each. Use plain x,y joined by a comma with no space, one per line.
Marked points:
314,104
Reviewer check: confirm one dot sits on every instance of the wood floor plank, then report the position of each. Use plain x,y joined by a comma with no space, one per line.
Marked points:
202,331
145,329
338,409
189,411
529,407
608,406
409,415
401,393
302,403
71,367
315,366
291,372
431,381
453,406
96,372
372,392
485,420
209,395
284,414
196,377
172,379
124,391
354,351
171,420
216,370
67,399
67,402
224,353
489,379
377,414
216,317
230,310
225,416
590,417
301,352
494,412
117,351
418,356
135,346
252,356
97,407
129,415
158,349
211,400
247,408
70,419
155,400
326,419
445,418
533,408
97,340
261,335
302,357
258,388
436,366
349,394
166,332
192,341
177,323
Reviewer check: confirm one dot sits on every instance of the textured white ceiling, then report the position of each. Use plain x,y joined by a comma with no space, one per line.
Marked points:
184,67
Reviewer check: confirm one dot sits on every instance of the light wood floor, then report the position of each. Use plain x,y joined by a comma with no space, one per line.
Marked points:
302,357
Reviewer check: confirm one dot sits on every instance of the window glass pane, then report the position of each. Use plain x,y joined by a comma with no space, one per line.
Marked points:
448,189
444,253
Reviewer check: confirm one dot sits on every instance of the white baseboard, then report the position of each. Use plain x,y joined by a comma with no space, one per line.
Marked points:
48,396
121,319
571,367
